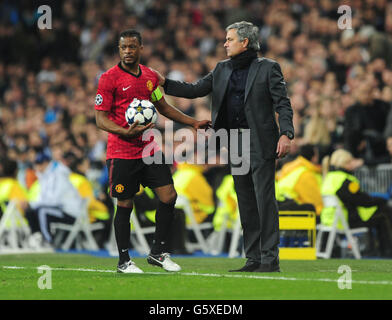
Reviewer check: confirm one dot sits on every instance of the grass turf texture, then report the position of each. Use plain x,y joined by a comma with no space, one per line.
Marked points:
200,279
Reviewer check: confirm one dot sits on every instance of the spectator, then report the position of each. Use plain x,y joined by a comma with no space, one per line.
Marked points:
97,210
364,125
56,200
389,147
298,183
316,129
190,182
10,188
359,208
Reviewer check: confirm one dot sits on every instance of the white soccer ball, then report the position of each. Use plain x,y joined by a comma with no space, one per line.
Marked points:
141,110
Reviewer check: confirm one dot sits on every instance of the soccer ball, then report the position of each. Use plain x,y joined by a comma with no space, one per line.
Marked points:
142,111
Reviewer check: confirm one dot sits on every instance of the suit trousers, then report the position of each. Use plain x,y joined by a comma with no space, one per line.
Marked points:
258,209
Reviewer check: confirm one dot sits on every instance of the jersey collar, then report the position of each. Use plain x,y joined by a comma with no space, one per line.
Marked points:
132,74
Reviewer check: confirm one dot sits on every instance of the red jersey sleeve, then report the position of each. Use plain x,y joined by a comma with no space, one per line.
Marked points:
105,93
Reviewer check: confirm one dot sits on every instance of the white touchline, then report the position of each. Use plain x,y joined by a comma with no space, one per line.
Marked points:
216,275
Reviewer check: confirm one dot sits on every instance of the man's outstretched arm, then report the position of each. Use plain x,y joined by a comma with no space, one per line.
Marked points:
174,114
183,89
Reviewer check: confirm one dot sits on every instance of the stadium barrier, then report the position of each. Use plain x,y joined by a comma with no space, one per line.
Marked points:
375,179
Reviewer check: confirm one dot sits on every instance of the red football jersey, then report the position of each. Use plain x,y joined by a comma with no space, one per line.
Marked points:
116,90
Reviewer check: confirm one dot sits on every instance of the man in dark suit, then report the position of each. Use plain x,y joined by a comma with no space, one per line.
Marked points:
246,93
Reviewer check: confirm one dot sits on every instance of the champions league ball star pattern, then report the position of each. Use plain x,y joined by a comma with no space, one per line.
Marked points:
141,110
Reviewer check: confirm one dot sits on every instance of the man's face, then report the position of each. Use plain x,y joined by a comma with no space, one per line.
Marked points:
130,50
40,167
364,93
232,45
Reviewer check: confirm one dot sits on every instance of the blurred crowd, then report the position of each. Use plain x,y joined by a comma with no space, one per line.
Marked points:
339,81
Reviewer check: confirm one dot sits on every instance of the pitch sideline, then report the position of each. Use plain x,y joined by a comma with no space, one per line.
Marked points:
215,275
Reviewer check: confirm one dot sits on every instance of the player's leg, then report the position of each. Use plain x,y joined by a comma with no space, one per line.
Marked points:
158,177
164,217
122,228
123,183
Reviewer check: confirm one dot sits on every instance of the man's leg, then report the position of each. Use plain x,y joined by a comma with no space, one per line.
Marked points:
44,215
32,217
124,183
164,217
163,220
122,228
158,177
263,174
382,222
247,204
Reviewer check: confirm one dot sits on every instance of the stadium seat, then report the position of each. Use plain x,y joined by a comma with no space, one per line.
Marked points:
333,201
184,204
81,225
141,244
235,239
14,230
216,240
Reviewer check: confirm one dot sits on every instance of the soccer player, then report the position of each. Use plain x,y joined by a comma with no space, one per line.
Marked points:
117,87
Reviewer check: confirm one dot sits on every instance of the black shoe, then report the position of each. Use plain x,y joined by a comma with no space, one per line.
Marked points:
249,267
268,267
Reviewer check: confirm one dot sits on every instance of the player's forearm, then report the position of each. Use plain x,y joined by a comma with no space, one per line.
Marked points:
176,115
104,123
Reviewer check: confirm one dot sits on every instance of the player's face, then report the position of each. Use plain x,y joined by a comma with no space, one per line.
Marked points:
130,50
232,45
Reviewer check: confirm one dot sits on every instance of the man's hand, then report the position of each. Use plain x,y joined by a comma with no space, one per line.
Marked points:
283,148
161,78
203,124
135,130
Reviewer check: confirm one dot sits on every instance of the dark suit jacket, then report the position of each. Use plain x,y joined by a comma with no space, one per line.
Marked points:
265,94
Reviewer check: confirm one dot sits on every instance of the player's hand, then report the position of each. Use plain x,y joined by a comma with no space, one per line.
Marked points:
135,130
161,78
283,148
203,124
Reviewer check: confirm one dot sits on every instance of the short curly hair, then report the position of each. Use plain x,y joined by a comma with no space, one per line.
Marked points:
131,33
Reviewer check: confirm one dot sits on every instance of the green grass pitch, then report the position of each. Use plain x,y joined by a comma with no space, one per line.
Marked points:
81,277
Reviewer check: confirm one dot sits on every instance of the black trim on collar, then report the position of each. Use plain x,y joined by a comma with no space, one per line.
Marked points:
132,74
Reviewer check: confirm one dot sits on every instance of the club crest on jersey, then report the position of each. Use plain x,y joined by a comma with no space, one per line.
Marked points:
119,188
149,84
